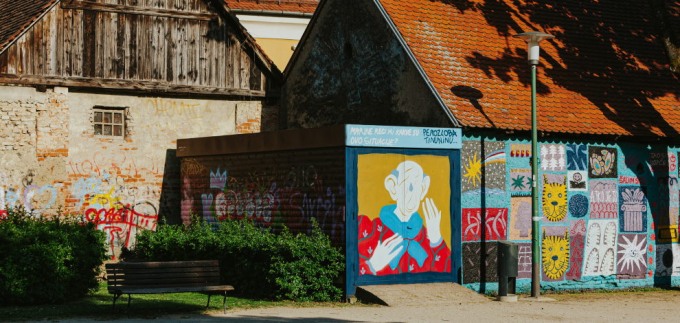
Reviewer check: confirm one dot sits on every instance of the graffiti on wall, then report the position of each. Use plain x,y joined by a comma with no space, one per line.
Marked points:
485,170
603,206
520,218
268,196
23,193
601,248
577,157
578,180
604,200
668,260
555,255
577,238
578,205
494,224
480,262
554,197
553,157
520,182
602,162
120,221
405,228
632,252
524,262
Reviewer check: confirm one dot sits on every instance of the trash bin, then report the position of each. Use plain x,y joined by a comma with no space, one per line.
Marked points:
507,268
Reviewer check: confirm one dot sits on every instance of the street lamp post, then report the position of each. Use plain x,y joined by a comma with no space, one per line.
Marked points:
533,38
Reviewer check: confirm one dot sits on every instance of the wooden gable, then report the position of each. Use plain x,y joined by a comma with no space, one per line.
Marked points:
168,46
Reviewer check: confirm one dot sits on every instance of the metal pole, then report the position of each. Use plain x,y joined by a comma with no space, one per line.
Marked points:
535,232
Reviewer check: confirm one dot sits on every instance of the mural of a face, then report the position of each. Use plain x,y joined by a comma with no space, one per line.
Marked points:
554,200
407,185
555,255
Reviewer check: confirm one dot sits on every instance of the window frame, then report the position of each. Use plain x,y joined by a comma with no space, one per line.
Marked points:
116,120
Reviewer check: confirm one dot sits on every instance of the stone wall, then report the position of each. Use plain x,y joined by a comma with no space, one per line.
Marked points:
52,161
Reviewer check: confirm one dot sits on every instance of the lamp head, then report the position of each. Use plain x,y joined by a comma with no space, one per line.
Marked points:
533,38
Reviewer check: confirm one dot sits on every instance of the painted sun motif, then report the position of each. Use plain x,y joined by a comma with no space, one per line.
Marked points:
473,171
633,254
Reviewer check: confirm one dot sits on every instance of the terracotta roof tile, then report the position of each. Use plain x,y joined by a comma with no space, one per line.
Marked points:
284,6
606,72
16,16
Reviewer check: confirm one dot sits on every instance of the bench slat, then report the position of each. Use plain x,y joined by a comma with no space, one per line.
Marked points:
165,282
165,270
164,275
161,290
165,264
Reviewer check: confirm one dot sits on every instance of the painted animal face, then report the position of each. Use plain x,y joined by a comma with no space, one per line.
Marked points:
554,200
555,255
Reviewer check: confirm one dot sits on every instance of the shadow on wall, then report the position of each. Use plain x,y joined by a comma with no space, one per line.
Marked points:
169,204
656,170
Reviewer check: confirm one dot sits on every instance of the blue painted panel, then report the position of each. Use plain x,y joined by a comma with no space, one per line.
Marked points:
354,278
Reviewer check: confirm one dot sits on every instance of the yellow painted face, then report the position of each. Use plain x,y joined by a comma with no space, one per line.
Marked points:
554,200
555,255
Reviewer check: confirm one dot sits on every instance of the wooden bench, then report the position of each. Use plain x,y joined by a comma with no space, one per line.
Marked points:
165,277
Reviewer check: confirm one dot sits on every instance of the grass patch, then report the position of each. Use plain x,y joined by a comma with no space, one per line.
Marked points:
98,305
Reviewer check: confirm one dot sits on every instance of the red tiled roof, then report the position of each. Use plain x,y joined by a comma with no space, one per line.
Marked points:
287,6
16,16
606,71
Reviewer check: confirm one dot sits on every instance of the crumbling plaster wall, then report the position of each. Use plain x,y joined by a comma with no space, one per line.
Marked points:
52,160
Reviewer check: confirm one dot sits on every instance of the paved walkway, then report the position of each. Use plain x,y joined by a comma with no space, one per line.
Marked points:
412,306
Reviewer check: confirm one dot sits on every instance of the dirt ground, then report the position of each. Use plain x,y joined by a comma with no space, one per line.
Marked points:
583,307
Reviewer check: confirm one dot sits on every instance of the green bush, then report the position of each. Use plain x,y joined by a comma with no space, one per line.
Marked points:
48,260
256,261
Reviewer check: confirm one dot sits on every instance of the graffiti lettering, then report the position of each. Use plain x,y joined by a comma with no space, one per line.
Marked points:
122,222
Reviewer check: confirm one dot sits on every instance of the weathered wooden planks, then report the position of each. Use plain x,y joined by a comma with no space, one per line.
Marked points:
180,44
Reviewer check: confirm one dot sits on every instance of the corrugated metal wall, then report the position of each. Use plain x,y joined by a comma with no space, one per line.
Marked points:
272,188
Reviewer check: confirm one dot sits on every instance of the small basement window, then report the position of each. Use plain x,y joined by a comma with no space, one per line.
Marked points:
109,121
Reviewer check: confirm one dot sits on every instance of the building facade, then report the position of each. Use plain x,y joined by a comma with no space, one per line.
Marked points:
608,125
94,95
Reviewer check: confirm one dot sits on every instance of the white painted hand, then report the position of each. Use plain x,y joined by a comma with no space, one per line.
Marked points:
433,218
385,251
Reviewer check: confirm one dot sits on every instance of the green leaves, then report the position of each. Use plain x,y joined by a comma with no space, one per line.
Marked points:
256,261
47,260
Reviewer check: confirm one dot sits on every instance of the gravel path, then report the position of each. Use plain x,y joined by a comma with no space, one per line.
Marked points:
586,307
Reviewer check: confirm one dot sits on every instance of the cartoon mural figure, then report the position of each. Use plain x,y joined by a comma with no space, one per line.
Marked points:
555,255
554,200
399,241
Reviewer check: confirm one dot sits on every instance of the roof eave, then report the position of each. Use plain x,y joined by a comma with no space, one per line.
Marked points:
415,62
29,26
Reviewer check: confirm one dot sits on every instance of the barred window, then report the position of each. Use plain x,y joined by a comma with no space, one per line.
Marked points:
109,121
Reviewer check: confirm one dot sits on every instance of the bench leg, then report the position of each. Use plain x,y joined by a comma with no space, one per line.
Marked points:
128,301
208,305
115,298
224,303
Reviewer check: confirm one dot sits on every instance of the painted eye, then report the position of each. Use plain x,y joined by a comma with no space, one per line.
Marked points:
561,248
549,195
550,249
559,195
